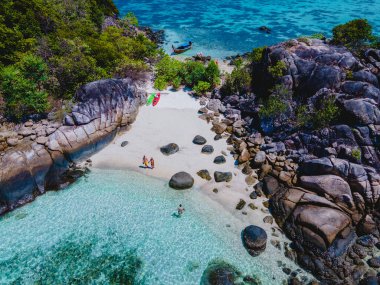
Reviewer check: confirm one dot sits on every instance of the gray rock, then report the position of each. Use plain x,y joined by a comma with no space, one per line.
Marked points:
240,205
270,185
366,76
12,141
222,176
316,166
124,143
42,140
204,174
254,240
199,140
208,149
363,111
215,105
374,262
181,181
260,158
220,159
169,149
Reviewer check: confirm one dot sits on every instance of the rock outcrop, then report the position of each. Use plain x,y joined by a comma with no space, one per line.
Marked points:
323,183
45,151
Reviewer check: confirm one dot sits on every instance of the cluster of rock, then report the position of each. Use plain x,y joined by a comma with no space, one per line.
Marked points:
35,157
323,184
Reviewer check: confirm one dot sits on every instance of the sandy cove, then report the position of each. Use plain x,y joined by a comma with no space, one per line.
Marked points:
176,120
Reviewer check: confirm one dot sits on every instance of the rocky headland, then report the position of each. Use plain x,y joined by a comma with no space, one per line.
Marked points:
41,156
323,184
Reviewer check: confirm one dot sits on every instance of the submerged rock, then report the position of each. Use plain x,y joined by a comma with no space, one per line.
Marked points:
219,272
254,240
181,181
169,149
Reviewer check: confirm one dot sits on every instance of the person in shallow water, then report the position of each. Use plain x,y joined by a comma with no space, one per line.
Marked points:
180,210
151,163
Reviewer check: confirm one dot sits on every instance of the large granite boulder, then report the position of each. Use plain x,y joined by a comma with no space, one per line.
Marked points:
30,168
219,272
254,240
169,149
181,181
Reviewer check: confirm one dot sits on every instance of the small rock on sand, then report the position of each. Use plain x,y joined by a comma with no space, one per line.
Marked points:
169,149
199,140
204,174
124,143
208,149
222,176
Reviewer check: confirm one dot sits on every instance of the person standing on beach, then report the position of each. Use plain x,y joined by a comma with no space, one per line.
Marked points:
151,163
145,162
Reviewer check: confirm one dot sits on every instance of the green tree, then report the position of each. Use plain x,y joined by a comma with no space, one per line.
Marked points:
212,74
131,19
353,34
22,96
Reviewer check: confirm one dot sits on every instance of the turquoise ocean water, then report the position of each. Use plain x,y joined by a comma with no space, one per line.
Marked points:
116,226
224,27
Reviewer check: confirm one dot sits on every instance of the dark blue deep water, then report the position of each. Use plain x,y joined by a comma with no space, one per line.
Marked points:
226,27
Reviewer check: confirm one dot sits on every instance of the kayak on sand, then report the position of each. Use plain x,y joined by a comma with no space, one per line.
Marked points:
150,99
156,99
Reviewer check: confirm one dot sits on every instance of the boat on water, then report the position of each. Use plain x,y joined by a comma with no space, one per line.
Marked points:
182,47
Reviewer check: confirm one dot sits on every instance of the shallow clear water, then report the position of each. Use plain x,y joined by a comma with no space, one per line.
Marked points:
118,225
224,27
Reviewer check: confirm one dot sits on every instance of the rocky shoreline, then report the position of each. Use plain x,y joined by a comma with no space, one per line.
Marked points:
325,198
41,156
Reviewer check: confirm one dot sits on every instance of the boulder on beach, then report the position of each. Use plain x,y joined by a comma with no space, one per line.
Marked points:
220,159
254,240
169,149
208,149
181,181
204,174
222,176
199,140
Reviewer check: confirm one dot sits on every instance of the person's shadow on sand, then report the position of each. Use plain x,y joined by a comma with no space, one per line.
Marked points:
145,167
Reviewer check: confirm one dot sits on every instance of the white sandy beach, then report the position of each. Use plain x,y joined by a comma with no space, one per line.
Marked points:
175,120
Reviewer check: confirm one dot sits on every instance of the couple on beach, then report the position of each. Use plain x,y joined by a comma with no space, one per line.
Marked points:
146,162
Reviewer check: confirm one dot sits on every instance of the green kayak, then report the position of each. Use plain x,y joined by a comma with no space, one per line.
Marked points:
150,99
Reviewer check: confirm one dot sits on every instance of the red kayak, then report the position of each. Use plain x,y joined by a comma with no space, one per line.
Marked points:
156,99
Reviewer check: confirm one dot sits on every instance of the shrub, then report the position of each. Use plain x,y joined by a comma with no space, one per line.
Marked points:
160,83
22,95
131,19
212,74
239,81
272,108
176,83
202,87
357,154
257,54
320,118
349,75
277,70
193,72
304,40
327,112
276,103
318,36
169,69
353,34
